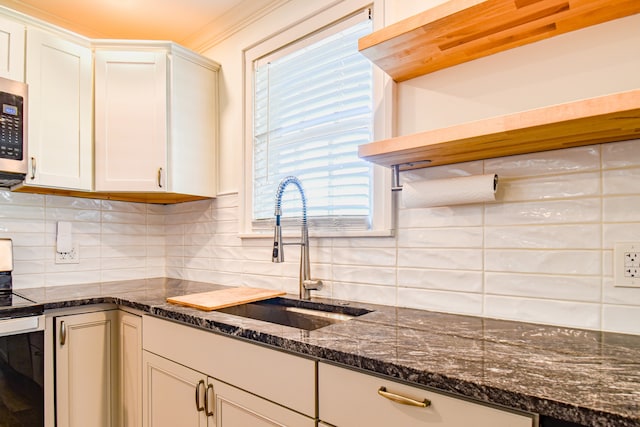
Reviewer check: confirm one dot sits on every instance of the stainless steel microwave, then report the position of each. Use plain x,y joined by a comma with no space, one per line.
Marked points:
13,132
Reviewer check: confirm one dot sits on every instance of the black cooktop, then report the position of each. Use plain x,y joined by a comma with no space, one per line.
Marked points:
13,305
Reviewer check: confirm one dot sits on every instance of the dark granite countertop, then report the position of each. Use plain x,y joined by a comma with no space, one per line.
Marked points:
586,377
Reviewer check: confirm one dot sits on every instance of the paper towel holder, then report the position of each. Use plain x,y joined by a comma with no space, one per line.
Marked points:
395,178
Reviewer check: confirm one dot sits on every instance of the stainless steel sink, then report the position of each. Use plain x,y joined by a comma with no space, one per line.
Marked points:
297,314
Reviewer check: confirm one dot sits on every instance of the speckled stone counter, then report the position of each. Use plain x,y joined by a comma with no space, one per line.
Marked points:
586,377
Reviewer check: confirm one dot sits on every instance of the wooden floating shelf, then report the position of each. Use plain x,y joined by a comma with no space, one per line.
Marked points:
463,30
608,118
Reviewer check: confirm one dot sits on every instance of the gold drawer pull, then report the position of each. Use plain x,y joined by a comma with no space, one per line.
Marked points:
382,391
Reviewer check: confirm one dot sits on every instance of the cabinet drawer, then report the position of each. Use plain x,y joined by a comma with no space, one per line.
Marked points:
277,376
349,398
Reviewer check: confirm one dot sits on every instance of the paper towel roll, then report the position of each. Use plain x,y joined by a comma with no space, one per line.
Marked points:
451,191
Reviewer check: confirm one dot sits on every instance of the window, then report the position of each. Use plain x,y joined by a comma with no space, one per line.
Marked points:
312,104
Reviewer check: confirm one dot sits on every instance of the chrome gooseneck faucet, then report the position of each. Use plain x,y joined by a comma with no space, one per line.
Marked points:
306,283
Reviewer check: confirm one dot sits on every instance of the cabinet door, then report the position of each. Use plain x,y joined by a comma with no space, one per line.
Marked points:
237,408
85,376
173,395
58,73
130,370
194,128
130,120
350,398
11,50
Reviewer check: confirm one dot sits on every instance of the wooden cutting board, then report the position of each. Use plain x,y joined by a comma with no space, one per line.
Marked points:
222,298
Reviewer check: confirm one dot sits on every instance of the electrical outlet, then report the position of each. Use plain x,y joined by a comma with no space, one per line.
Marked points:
71,257
626,263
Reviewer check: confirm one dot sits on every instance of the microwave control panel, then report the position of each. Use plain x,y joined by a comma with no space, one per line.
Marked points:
11,126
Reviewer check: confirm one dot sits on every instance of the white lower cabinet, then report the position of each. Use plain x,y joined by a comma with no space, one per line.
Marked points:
179,396
213,380
350,398
173,394
237,408
86,378
98,369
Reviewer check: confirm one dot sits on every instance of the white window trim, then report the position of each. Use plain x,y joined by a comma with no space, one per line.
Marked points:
382,221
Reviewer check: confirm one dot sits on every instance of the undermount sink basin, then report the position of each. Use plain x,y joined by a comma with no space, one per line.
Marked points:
297,314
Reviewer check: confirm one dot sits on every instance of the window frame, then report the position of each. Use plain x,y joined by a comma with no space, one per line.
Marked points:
382,219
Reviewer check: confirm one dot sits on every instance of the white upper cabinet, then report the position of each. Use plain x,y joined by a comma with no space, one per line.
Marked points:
155,120
131,115
11,49
59,75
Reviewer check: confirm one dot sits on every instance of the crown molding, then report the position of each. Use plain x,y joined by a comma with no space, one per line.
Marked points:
236,19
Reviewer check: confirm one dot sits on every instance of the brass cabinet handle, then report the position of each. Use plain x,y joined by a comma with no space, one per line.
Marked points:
199,403
160,177
208,403
382,391
63,333
33,168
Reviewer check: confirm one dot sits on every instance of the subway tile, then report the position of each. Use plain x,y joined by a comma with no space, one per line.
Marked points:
621,154
545,311
448,216
385,276
619,295
621,208
123,217
122,274
117,206
621,181
462,237
365,256
34,213
577,159
359,242
15,225
569,262
453,259
72,278
445,280
584,236
546,212
72,203
622,232
550,187
357,292
120,228
620,318
24,199
449,302
574,288
225,214
68,214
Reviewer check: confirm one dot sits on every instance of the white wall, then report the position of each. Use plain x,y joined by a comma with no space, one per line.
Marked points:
542,252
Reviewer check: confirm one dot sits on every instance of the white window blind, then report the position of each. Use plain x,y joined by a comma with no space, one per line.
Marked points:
313,106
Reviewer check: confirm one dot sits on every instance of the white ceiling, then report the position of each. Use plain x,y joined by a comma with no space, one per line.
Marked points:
184,21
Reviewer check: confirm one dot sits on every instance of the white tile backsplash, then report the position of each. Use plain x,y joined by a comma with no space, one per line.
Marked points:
541,252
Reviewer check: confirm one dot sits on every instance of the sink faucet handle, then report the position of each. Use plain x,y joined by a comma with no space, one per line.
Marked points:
312,284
